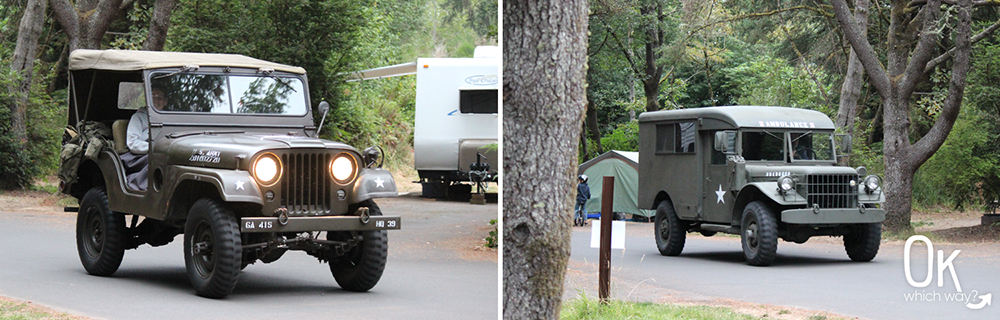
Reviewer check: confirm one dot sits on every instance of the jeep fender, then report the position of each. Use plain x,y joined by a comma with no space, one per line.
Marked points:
233,185
758,190
373,183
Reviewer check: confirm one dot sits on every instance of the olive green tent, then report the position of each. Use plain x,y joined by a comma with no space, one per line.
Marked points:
623,165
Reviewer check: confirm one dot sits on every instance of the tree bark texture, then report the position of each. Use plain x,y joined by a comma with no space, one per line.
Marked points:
851,89
545,64
158,25
595,132
654,42
905,69
28,33
86,23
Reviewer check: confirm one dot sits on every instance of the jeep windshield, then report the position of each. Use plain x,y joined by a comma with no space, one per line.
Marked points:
229,93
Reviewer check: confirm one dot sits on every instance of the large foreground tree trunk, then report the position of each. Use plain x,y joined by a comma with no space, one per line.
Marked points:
24,62
851,89
545,63
907,65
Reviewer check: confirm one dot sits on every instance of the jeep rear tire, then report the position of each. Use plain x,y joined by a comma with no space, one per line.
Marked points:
361,267
759,234
212,248
99,234
862,241
670,230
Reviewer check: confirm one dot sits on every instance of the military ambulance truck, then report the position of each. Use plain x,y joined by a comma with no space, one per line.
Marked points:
763,173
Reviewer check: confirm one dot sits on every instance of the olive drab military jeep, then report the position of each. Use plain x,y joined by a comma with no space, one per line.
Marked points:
234,164
760,172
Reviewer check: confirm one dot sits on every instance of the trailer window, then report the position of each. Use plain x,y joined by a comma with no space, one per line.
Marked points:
478,101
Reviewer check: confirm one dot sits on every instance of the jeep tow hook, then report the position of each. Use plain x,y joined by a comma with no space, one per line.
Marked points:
363,213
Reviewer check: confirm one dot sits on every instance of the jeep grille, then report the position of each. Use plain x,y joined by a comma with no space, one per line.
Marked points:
832,190
307,188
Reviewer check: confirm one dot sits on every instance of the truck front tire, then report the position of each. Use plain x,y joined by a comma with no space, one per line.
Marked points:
863,241
99,234
759,234
670,230
361,267
213,250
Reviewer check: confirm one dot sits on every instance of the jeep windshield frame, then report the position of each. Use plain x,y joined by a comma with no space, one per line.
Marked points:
229,92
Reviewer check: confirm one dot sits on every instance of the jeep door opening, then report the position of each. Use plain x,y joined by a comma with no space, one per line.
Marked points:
763,173
234,164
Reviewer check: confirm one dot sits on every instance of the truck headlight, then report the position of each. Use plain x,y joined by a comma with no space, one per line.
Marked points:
872,183
786,184
266,169
342,168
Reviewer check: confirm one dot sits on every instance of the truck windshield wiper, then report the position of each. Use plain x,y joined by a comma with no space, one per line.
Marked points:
185,68
208,133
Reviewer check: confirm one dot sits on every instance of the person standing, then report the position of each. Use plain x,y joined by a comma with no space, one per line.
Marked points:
582,195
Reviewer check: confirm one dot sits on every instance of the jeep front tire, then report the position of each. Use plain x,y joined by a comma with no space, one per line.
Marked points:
212,248
361,268
670,230
759,234
100,234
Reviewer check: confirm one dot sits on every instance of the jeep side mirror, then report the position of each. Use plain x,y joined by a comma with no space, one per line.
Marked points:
725,142
845,143
322,108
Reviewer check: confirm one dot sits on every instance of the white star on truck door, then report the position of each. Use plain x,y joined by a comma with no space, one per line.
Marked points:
721,194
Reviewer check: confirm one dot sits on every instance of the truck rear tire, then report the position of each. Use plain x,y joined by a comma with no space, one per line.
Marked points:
759,234
670,230
99,234
863,241
213,249
361,268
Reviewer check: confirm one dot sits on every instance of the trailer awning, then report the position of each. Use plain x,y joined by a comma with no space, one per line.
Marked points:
384,72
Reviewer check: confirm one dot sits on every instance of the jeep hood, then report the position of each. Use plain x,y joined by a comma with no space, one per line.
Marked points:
773,172
232,150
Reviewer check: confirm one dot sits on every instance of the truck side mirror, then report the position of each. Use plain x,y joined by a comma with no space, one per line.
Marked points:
845,143
725,142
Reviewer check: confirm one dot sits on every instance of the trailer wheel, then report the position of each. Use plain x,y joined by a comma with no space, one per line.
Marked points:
670,230
99,234
361,267
863,241
213,250
759,234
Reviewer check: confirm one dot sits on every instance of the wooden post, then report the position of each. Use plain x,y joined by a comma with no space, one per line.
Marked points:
607,205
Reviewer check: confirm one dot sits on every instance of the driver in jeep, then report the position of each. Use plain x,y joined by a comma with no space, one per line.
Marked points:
136,159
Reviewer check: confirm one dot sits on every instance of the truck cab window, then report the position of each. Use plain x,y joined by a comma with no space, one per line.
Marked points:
764,146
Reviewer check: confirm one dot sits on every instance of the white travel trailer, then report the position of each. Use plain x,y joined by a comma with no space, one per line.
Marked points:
456,119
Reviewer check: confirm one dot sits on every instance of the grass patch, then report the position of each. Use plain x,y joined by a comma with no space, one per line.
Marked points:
921,223
903,235
584,308
15,310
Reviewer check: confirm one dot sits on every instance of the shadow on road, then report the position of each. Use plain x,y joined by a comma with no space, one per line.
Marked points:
250,283
782,260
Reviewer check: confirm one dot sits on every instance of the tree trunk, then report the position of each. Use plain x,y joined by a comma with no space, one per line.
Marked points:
653,72
595,131
545,64
28,33
851,89
906,64
85,31
158,25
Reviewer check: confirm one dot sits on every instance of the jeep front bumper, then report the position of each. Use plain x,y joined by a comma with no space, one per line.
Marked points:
321,223
833,216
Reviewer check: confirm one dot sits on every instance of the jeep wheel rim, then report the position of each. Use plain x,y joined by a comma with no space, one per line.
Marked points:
95,236
752,235
202,250
664,229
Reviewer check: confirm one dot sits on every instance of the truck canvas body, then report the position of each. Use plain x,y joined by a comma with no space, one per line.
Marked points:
234,163
761,172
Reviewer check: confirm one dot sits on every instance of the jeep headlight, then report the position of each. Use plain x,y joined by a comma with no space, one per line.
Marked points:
342,168
786,184
266,169
871,183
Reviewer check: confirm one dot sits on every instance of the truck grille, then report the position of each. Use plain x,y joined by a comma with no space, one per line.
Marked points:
832,190
306,187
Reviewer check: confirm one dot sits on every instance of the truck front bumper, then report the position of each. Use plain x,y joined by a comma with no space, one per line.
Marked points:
321,223
833,216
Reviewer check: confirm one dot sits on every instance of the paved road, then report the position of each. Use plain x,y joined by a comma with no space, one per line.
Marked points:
432,273
817,276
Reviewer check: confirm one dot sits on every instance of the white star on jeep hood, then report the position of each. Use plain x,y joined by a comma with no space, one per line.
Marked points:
379,182
720,194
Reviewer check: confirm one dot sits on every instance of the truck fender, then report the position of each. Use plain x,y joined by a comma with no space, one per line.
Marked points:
233,185
373,183
756,190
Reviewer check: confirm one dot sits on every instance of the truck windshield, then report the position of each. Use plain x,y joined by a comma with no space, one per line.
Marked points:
764,146
812,146
216,93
